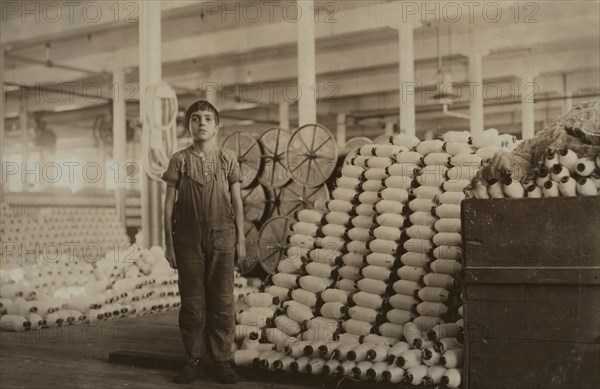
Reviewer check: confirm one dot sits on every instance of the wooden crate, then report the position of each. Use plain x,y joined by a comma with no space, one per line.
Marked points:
532,293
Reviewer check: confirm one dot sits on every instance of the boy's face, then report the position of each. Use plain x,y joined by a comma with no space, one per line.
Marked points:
203,126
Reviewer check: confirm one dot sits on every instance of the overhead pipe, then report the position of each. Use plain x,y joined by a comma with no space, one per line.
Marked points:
225,115
219,96
51,64
434,108
454,114
53,90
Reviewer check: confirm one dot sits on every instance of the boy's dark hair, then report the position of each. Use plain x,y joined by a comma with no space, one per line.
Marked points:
200,105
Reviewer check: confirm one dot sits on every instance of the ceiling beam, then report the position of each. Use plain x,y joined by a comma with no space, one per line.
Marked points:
56,21
340,91
351,24
384,79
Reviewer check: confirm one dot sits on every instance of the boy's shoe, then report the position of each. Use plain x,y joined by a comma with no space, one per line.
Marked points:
225,373
190,372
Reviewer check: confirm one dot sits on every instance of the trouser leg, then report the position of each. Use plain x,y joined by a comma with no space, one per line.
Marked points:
220,300
192,312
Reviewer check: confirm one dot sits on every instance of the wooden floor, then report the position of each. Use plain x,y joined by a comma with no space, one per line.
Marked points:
77,357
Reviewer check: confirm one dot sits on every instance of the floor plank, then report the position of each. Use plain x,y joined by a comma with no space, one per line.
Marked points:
76,357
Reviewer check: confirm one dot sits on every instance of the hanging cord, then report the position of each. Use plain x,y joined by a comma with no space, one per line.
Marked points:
160,138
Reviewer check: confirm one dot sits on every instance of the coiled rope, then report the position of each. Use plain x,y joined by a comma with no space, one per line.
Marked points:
159,140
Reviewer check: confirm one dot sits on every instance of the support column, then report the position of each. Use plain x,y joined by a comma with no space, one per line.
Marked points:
476,101
101,160
527,107
568,105
212,96
24,129
284,115
340,130
2,102
389,128
119,139
150,72
307,103
568,101
407,77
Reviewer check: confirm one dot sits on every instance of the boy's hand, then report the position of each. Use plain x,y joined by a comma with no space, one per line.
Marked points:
240,249
170,255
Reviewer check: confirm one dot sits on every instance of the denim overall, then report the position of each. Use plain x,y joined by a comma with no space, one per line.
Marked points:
204,241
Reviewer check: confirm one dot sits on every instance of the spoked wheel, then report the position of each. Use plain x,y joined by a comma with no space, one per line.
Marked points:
352,146
249,154
273,202
296,197
274,143
311,155
272,242
255,202
248,264
382,140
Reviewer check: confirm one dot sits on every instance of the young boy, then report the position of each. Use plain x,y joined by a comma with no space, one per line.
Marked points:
204,230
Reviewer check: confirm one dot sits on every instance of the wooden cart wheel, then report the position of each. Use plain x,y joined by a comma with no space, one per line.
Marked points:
248,264
274,172
352,146
272,242
248,152
382,140
295,197
311,155
273,202
254,200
